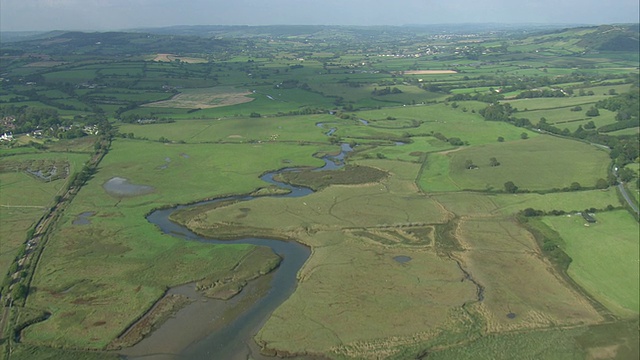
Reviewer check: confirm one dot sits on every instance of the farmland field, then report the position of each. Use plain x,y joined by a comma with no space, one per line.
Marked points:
599,263
521,162
435,181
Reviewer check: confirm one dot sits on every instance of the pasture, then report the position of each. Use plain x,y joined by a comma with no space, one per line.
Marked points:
605,257
540,163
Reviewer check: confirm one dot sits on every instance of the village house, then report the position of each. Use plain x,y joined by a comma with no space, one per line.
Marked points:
6,137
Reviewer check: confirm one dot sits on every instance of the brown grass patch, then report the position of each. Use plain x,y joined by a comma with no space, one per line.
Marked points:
499,255
205,98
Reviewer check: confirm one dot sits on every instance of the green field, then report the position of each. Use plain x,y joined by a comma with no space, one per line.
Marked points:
540,163
24,198
602,263
452,231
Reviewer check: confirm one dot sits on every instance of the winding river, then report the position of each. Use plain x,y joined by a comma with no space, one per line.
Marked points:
235,338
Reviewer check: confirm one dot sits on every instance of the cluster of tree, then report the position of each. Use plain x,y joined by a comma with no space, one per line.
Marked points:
592,112
618,125
287,84
133,118
455,141
531,212
78,179
497,112
303,111
469,165
510,187
626,106
386,91
546,93
27,119
483,97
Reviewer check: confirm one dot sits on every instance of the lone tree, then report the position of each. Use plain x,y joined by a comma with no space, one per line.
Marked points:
510,187
593,111
602,184
524,136
468,164
494,162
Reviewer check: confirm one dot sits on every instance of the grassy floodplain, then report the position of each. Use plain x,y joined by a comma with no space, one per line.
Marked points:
414,252
73,267
293,129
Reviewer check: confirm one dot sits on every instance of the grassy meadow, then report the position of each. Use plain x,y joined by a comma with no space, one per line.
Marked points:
417,247
536,164
603,261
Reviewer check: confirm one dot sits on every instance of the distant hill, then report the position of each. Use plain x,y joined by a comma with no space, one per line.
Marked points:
115,44
13,36
217,39
613,38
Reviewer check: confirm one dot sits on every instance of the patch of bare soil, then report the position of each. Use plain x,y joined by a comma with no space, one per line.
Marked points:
203,101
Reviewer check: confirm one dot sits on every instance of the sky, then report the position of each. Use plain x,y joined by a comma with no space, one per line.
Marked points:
100,15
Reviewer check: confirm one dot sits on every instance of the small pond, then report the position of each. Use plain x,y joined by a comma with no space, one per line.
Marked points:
402,259
83,219
120,187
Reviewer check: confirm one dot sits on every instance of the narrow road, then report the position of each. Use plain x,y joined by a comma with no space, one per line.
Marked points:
627,197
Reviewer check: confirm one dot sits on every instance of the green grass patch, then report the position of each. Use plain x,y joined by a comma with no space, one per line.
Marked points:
605,257
24,198
540,163
238,130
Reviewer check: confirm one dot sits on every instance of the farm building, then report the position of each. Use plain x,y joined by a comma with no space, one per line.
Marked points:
588,217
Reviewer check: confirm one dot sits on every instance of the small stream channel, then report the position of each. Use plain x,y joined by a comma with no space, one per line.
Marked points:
234,340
